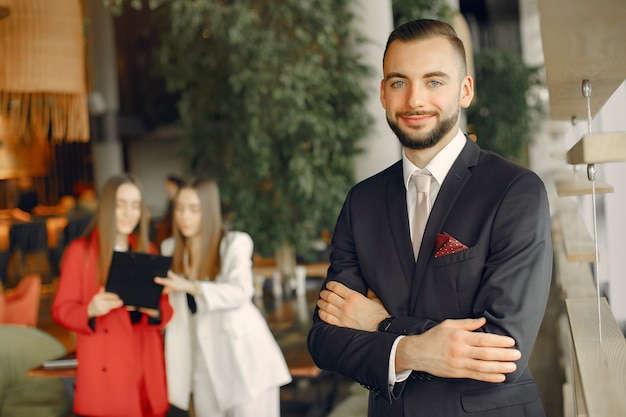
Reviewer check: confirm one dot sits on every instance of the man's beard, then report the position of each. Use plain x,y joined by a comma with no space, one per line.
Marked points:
414,140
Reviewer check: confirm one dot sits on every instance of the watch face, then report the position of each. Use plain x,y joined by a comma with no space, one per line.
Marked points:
384,325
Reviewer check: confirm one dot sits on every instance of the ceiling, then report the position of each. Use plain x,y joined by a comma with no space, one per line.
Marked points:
582,40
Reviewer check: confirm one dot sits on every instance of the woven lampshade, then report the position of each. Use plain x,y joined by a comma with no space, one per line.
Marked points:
42,71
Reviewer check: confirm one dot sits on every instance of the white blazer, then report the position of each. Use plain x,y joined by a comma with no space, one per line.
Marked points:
238,347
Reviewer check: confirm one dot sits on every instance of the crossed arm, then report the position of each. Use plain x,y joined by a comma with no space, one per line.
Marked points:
450,349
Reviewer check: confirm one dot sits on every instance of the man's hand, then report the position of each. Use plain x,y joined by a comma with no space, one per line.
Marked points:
102,303
453,350
343,307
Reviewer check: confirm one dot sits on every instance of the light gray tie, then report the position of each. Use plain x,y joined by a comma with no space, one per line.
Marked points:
422,209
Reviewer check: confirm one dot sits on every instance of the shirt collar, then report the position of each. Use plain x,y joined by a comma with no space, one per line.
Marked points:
440,164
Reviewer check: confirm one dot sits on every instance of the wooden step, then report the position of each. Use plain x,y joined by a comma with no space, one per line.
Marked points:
577,241
598,148
572,183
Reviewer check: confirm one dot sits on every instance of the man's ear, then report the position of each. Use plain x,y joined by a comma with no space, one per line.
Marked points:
382,94
467,92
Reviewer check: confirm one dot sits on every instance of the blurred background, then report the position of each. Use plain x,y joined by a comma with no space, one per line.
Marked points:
278,100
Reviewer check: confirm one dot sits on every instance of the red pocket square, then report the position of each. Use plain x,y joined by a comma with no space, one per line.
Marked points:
447,245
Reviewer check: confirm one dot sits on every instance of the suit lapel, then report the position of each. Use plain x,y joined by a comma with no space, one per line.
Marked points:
450,190
399,222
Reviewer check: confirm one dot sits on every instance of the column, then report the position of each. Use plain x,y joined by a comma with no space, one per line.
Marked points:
380,146
104,97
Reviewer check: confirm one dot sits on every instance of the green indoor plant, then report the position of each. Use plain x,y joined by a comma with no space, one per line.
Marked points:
407,10
506,104
271,106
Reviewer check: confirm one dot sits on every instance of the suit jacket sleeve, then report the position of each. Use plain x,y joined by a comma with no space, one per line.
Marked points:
359,355
517,271
506,279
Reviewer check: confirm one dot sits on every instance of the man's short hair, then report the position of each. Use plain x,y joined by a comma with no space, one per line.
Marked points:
422,29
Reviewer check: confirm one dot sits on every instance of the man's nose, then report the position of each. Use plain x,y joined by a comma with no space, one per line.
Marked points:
416,96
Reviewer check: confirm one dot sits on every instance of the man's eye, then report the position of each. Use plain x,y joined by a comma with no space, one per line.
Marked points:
397,84
434,83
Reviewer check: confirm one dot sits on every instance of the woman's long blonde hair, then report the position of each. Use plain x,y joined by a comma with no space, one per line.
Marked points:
211,230
104,223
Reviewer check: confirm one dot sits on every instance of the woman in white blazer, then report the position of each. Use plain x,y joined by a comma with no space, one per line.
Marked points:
218,345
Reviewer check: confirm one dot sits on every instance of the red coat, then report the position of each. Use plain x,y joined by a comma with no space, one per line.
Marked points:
116,358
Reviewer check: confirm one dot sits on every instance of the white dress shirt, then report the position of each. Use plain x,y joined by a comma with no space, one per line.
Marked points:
438,167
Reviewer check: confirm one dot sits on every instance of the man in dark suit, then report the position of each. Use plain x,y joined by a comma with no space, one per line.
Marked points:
448,330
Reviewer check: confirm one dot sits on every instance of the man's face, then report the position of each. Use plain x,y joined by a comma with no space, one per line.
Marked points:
423,92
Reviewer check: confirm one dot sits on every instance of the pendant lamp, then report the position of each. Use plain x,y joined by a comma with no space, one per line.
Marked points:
42,71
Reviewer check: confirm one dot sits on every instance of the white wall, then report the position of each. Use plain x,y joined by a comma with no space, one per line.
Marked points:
612,257
152,159
547,154
380,146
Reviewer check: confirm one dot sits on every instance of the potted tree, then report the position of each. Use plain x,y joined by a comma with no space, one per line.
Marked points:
271,105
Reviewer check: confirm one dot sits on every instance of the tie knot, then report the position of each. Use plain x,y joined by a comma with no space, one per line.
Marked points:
422,182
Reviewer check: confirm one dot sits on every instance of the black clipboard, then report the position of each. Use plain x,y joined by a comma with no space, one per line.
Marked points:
131,277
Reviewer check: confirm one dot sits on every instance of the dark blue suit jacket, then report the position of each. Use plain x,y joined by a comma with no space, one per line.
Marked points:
496,208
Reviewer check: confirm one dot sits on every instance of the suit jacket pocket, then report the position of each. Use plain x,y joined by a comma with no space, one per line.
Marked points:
499,396
455,257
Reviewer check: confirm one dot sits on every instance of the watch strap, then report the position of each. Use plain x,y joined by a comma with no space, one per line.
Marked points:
384,325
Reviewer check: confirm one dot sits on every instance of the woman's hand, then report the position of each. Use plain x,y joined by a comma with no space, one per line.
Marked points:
150,312
103,302
176,282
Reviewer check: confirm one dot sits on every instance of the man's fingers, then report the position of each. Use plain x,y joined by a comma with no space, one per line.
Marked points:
465,324
329,308
329,318
332,298
491,340
495,354
479,339
371,295
486,377
490,371
339,289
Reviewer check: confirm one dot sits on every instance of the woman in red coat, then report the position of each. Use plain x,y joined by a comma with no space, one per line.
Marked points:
121,369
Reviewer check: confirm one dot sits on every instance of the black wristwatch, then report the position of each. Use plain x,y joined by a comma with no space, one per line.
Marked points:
384,325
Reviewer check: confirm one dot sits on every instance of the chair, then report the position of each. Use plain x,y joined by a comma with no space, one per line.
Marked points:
75,227
28,244
21,305
21,349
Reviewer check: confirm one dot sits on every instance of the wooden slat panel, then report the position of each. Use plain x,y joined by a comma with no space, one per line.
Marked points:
579,246
582,39
598,148
574,182
575,279
601,366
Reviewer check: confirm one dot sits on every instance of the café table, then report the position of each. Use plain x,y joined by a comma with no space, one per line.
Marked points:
36,245
288,319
